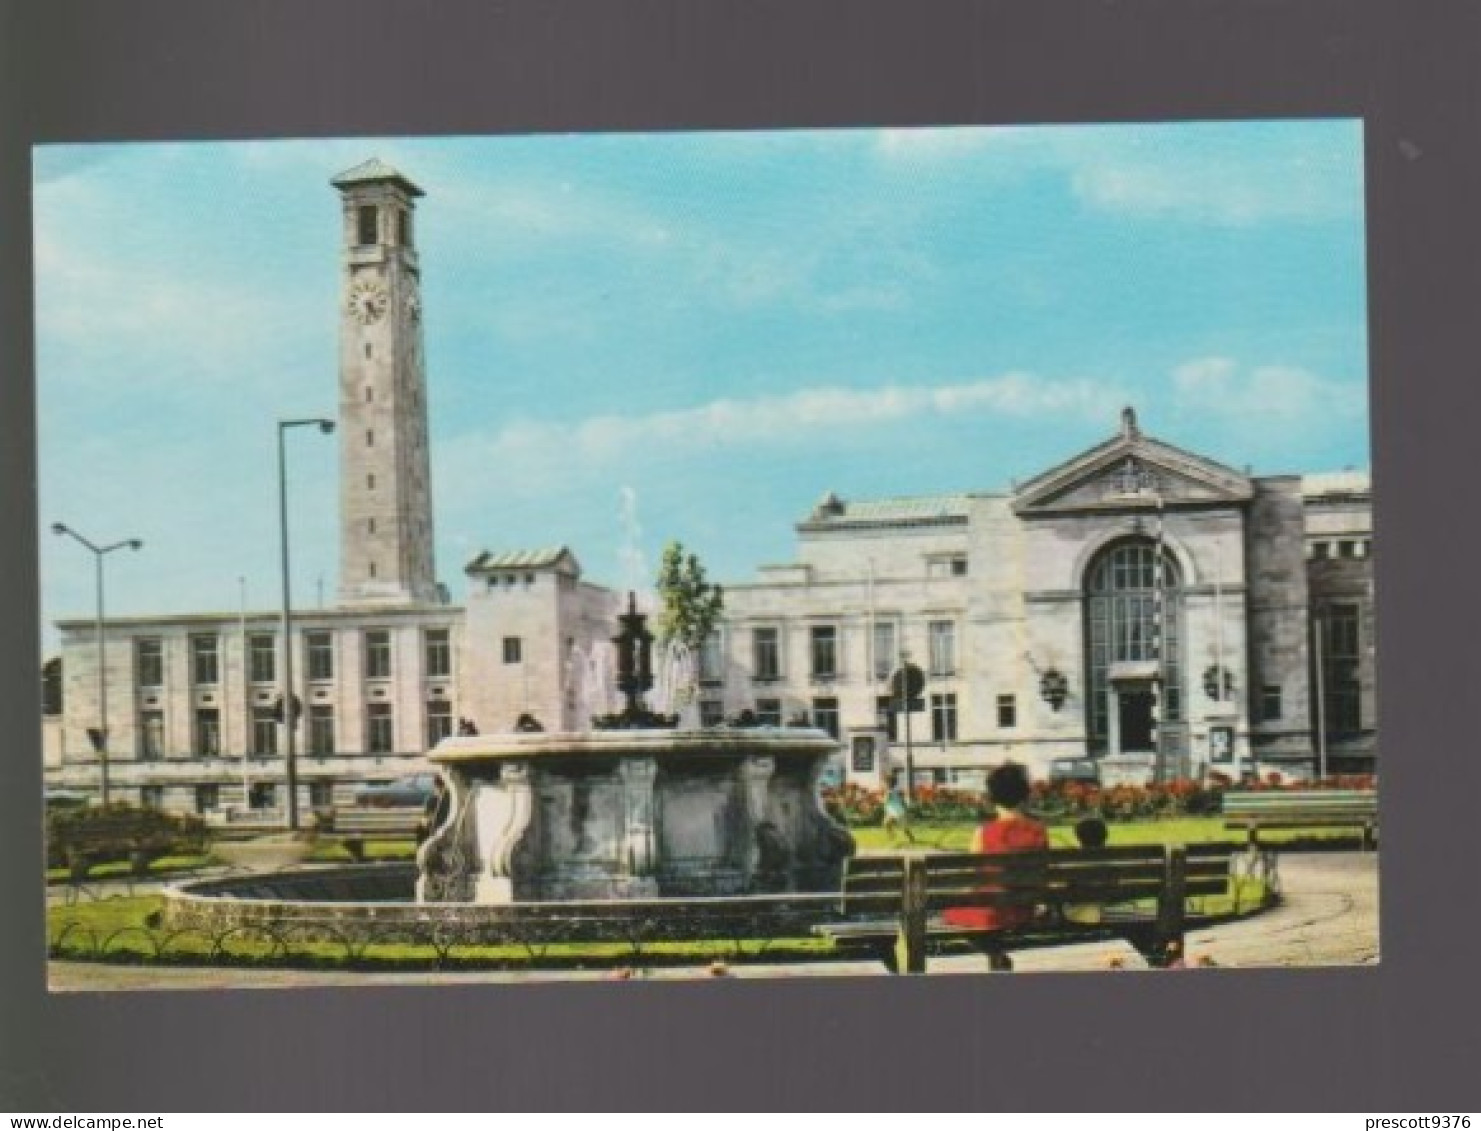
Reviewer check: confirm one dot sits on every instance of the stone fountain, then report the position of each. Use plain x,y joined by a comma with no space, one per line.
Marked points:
632,809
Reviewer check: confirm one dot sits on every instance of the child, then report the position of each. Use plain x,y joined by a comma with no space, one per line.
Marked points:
1092,833
1010,831
896,816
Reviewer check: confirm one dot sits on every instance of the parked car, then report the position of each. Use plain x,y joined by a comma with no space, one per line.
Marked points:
415,790
1083,770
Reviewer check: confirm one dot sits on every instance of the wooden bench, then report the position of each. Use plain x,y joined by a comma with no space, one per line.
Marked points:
893,905
1303,809
355,826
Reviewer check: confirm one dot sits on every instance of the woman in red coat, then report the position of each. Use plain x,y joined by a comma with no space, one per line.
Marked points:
1009,831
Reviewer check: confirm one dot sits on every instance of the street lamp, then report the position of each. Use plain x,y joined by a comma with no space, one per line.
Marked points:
289,719
99,552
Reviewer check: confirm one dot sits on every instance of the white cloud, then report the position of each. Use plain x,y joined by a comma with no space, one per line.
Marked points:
1275,394
1220,191
548,452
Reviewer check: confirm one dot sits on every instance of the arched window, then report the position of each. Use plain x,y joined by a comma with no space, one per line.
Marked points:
1133,616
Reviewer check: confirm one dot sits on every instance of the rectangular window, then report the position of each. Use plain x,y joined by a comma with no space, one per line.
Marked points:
152,796
765,654
942,639
208,732
513,650
712,661
151,735
885,709
403,228
1321,551
365,232
204,660
884,649
262,652
711,712
207,798
321,729
321,655
264,732
321,795
824,651
769,712
377,653
1347,548
439,650
1270,703
1007,711
1341,654
825,715
263,795
149,656
954,566
380,731
439,721
943,717
863,754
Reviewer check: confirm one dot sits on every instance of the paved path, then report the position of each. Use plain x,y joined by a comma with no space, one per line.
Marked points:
1329,917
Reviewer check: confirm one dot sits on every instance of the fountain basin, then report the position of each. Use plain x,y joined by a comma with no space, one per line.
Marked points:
632,814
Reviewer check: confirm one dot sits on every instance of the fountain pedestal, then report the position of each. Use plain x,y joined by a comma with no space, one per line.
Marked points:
632,814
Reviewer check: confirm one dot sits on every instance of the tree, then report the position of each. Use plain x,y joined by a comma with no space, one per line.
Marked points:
691,606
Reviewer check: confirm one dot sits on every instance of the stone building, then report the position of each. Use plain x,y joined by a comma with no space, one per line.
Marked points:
1136,602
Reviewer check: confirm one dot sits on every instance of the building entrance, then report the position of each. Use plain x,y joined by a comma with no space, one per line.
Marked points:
1134,714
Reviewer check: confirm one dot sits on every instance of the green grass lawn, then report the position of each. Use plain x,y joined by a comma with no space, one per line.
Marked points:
957,836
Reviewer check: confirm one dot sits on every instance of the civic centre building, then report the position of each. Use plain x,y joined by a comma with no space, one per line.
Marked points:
1136,603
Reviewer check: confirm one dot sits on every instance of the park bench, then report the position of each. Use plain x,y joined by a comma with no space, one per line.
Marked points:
1303,809
892,905
354,826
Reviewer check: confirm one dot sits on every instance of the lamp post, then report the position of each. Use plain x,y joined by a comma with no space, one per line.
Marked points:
99,553
289,715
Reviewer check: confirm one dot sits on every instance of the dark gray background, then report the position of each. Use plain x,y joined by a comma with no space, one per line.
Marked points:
1397,1037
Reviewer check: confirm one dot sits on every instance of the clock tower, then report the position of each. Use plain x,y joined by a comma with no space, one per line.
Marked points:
385,510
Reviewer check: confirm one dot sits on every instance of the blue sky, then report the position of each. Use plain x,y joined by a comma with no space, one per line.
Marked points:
707,329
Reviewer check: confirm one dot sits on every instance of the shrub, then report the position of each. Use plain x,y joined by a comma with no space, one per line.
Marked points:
80,838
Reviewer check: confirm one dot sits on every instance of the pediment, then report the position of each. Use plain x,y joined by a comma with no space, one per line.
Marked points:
1131,471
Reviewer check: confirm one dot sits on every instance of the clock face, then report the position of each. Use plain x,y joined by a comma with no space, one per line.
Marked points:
367,301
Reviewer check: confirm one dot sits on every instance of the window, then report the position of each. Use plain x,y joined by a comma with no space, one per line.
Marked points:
1270,703
884,649
942,639
885,709
151,735
769,712
943,717
204,666
1341,653
207,798
1321,551
403,228
262,656
370,482
954,566
321,729
711,660
321,795
862,761
765,654
149,657
370,437
152,796
1347,548
513,650
1007,711
208,732
321,655
437,644
380,729
439,721
365,225
378,653
824,651
825,715
263,795
264,732
711,713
